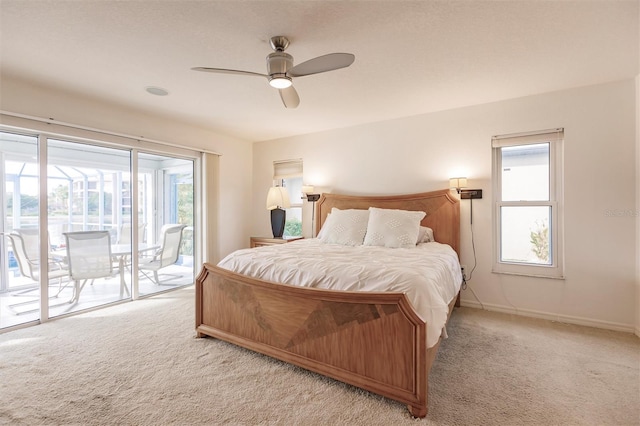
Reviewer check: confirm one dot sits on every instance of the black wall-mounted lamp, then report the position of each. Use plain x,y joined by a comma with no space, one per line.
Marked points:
460,183
307,191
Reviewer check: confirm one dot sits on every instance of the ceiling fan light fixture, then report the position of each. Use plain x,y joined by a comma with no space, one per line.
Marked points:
280,81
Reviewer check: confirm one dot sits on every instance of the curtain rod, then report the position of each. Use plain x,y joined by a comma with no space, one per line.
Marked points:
105,132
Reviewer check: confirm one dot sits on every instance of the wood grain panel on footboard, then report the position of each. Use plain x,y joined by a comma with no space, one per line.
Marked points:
375,341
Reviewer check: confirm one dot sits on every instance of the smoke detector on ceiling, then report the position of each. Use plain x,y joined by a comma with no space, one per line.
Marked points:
158,91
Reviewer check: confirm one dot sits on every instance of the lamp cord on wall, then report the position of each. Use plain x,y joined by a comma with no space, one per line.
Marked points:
473,246
465,280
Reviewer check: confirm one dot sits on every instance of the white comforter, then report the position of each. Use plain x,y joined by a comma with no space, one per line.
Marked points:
428,274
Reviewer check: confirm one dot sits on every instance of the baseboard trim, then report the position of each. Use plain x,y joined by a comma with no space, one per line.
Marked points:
569,319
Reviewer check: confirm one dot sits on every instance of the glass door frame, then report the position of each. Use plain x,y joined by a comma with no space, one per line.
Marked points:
101,140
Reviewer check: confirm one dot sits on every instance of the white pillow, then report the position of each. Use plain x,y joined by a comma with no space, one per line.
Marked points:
428,235
421,233
346,227
393,228
321,233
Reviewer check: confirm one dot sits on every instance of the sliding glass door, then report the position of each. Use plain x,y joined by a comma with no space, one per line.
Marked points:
106,238
167,196
19,246
89,209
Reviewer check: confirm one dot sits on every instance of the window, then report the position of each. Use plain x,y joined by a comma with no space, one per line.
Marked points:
289,175
527,176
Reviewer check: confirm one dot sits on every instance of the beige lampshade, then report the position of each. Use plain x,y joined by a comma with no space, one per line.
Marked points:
307,189
458,182
278,197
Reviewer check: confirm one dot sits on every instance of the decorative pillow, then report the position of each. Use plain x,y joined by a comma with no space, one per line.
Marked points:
428,235
421,233
321,233
346,227
393,228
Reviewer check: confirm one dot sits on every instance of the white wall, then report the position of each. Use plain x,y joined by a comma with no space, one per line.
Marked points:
420,153
234,180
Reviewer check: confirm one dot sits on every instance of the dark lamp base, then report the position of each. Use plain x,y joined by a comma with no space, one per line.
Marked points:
278,217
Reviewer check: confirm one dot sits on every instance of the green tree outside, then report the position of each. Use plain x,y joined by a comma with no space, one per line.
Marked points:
293,228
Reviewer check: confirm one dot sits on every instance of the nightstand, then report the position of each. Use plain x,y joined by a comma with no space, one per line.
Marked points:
266,241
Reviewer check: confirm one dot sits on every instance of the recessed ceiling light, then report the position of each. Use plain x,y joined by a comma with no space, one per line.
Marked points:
158,91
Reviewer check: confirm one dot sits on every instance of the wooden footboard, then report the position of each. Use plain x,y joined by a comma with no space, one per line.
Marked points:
375,341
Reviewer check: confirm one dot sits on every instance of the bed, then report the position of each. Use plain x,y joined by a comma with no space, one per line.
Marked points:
374,340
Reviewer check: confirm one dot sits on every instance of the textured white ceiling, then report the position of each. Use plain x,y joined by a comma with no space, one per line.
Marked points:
412,57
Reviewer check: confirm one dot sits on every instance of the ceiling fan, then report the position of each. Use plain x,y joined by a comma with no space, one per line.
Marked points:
280,69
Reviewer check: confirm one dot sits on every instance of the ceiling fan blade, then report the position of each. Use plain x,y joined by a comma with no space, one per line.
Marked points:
226,71
330,62
289,97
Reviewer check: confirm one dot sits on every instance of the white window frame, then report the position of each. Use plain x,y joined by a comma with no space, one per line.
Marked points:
555,138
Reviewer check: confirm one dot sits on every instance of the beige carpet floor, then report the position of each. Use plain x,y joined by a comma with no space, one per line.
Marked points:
140,364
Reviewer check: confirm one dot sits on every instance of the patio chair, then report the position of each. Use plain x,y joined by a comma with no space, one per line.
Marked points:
25,245
166,255
26,250
124,234
124,238
88,258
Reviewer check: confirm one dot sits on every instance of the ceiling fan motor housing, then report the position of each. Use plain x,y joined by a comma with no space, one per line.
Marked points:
278,63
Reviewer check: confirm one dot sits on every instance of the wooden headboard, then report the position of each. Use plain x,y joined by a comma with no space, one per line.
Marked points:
442,209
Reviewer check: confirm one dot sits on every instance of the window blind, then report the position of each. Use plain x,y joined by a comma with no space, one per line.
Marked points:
287,169
543,136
